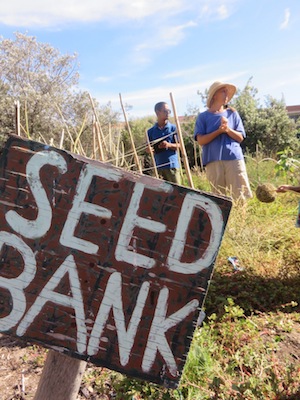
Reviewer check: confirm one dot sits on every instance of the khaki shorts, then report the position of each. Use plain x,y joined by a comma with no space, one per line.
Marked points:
229,178
170,174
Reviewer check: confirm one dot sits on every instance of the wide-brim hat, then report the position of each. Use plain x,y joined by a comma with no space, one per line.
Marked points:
218,85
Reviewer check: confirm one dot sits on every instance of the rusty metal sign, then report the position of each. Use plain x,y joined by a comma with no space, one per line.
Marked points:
101,264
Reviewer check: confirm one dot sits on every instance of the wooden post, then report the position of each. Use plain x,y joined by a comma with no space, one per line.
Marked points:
137,161
61,377
183,151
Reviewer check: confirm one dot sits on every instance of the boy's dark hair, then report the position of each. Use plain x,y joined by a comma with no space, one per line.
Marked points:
159,106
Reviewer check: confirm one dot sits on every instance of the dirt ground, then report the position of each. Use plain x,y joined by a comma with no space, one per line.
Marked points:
21,366
22,363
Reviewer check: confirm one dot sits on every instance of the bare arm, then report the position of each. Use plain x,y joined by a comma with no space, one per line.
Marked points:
205,139
285,188
223,128
235,135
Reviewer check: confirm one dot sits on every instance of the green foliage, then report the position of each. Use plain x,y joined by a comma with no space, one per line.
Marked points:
7,110
268,125
288,166
38,77
45,83
191,147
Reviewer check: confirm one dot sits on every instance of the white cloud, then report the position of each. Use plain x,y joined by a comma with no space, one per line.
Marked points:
47,13
164,24
103,79
223,11
163,38
210,10
142,101
187,73
286,20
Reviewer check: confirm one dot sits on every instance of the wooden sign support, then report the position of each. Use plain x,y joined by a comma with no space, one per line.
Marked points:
61,377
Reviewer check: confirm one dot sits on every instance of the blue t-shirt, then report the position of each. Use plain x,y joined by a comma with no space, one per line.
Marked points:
223,147
164,158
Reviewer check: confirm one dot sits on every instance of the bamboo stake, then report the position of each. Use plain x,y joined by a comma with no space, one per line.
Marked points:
137,161
178,156
62,137
152,156
77,140
17,118
118,150
99,132
100,141
195,154
123,161
94,137
110,138
67,128
201,161
183,150
26,120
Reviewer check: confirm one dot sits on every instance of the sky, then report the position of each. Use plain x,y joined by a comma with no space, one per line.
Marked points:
151,50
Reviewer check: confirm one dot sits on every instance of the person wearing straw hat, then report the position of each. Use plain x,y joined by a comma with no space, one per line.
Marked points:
164,143
220,131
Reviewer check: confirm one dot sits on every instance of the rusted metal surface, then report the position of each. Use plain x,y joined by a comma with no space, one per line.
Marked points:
102,264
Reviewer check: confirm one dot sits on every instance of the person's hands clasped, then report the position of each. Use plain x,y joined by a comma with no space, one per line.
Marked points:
224,125
163,145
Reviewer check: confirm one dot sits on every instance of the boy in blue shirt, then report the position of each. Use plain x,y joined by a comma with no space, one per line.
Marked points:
163,140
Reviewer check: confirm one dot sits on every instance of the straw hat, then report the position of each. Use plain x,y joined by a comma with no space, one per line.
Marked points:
218,85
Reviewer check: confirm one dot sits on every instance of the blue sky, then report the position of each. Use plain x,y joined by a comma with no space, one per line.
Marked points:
147,49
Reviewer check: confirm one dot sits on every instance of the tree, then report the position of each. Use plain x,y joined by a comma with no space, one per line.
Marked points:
45,83
280,130
6,110
268,126
39,78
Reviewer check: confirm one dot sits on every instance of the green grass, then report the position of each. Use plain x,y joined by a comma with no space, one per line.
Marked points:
249,345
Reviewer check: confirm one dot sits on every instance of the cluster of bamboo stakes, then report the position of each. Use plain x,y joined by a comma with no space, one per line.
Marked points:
105,150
